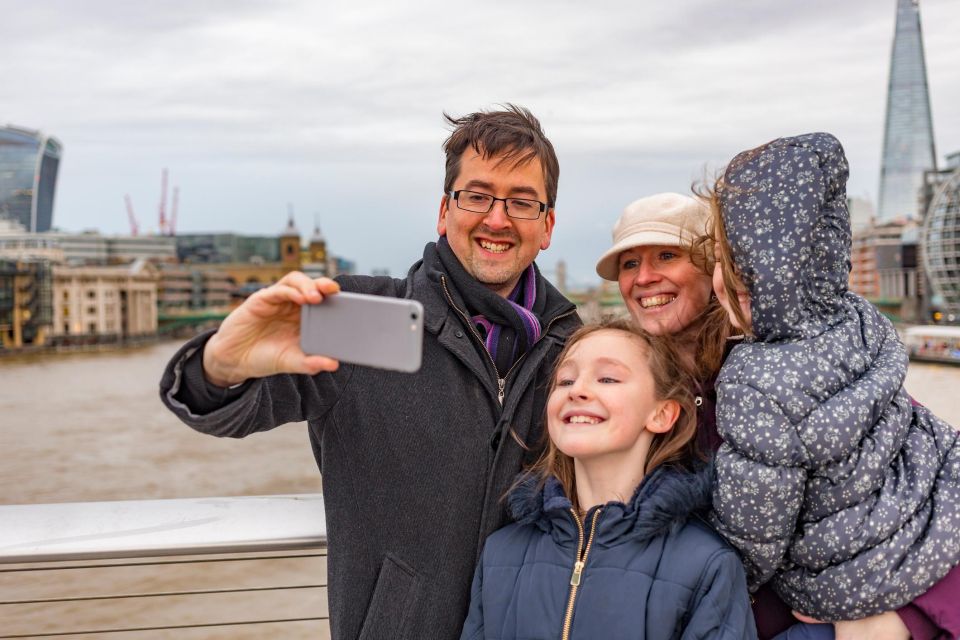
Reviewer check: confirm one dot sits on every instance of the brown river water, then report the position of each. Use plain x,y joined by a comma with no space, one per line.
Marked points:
90,427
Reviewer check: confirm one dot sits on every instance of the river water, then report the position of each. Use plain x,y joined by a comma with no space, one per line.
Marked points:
91,427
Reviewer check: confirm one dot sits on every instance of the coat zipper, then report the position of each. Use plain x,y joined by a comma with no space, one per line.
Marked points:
578,565
501,380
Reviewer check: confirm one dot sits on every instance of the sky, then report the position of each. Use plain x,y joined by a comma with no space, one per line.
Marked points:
336,107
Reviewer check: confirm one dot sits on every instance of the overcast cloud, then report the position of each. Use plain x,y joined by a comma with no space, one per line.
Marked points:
336,106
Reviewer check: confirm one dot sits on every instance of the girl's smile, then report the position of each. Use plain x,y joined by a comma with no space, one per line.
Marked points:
603,399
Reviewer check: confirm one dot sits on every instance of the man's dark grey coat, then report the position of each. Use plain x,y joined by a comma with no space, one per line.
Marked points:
414,465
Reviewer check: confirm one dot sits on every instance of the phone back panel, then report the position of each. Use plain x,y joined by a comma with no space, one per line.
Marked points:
376,331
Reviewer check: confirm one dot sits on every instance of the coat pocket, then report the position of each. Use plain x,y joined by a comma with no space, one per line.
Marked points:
393,602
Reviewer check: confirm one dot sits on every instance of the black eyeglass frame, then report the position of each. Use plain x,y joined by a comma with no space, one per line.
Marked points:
493,200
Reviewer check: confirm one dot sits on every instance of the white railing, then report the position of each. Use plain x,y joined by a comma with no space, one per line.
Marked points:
248,567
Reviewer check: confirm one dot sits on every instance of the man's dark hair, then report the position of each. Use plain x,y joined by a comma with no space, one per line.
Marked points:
513,134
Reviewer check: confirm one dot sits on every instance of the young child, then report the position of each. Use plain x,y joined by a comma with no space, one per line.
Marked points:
830,481
606,544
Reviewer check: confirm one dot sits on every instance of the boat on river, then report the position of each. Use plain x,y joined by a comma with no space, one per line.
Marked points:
933,343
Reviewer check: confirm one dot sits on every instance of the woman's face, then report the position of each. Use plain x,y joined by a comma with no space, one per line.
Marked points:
662,288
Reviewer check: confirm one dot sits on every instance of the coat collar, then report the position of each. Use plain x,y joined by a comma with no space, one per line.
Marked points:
425,281
663,502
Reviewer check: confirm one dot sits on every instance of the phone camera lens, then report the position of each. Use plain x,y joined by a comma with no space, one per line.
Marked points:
413,316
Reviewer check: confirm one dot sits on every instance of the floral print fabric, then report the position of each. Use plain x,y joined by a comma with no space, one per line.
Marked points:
830,481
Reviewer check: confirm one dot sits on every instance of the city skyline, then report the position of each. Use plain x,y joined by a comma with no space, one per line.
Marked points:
338,110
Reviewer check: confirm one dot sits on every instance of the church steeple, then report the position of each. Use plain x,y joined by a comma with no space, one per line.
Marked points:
290,242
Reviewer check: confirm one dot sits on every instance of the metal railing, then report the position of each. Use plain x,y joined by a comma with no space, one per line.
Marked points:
187,568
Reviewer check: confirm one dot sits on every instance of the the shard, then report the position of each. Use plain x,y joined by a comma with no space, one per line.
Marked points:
908,148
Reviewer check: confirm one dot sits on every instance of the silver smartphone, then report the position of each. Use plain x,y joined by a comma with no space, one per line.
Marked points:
375,331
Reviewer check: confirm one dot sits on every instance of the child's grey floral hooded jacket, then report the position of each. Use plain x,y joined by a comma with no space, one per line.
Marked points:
831,482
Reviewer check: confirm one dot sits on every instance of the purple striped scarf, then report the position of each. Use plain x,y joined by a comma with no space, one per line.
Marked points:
508,326
521,299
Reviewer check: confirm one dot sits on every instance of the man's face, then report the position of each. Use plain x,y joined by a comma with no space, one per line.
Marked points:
493,247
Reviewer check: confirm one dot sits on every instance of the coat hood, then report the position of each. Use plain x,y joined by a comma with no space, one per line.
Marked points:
784,207
664,501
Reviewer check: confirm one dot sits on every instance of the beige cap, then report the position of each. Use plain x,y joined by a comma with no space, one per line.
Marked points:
668,219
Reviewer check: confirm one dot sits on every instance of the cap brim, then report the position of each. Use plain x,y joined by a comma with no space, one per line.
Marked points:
608,267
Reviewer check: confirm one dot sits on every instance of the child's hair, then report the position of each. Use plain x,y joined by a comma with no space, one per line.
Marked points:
712,329
671,381
732,283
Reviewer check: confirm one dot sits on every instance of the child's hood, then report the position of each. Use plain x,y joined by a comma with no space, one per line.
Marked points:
665,500
784,207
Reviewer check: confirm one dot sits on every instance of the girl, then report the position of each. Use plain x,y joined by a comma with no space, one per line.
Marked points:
830,481
605,543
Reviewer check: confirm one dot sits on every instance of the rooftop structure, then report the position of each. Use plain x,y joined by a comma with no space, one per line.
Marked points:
87,248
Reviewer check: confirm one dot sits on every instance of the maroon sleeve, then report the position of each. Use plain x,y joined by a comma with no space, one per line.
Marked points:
935,615
770,613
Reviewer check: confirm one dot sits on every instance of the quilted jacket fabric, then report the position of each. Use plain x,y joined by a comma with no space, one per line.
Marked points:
830,481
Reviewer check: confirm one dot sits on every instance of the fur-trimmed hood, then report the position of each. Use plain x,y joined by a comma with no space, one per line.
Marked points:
663,502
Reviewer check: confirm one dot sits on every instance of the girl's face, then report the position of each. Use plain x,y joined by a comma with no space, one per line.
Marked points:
662,288
742,298
603,402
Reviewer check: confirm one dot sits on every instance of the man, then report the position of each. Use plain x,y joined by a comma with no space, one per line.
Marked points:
414,465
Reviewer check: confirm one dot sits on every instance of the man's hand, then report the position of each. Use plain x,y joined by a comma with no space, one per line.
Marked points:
261,337
885,626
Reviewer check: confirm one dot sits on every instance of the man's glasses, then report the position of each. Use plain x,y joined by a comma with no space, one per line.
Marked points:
483,203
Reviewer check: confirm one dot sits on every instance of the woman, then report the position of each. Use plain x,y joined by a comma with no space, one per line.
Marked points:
664,272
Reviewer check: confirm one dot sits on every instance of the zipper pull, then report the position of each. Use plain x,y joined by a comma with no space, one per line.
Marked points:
501,383
577,570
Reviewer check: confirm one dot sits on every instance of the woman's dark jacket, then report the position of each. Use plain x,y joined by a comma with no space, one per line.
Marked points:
830,481
654,570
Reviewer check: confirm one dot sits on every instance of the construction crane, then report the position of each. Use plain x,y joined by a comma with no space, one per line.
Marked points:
173,211
134,227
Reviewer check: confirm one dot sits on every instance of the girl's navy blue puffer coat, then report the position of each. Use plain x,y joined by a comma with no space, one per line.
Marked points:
652,569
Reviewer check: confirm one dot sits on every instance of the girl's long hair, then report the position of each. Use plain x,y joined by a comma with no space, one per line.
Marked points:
672,380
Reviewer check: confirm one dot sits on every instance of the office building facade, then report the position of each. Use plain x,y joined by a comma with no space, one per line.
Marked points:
908,146
29,162
941,240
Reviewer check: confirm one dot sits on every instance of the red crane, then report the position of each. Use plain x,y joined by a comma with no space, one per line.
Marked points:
134,227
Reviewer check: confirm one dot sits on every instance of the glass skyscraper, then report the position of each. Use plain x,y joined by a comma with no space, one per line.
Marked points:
29,161
908,148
